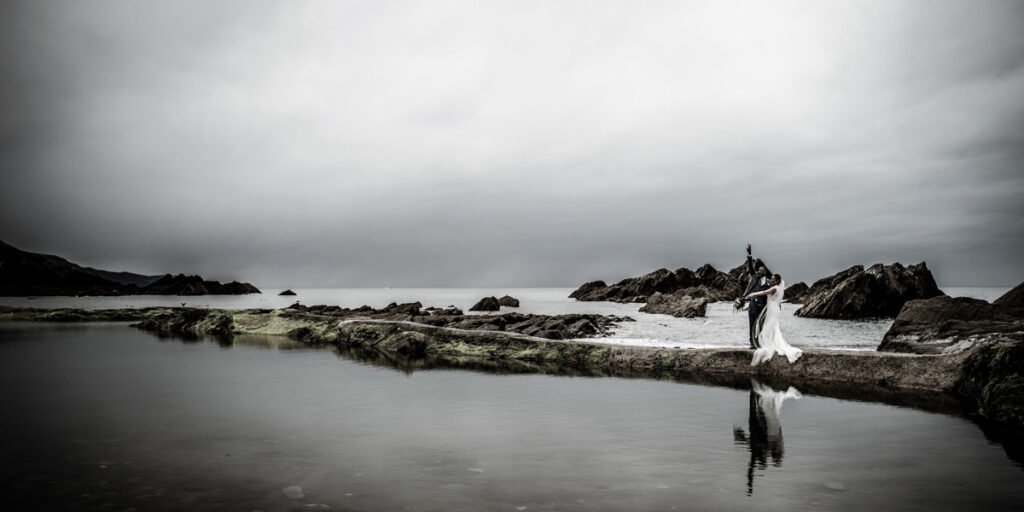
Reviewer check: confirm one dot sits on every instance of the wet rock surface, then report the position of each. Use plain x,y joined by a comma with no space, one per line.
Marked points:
878,291
509,301
993,380
677,304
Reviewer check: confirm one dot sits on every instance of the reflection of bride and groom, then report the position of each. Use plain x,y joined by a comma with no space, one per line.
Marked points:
764,434
765,291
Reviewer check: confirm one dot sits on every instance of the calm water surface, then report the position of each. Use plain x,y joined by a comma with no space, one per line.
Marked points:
721,328
104,417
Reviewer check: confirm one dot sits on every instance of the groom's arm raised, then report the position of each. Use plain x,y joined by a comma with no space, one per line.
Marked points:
750,262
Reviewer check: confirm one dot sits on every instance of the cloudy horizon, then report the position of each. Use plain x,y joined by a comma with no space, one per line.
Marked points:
514,143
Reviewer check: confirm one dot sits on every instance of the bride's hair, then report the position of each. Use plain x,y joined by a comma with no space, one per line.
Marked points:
777,278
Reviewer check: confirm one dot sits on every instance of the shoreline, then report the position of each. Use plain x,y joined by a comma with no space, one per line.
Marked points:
856,372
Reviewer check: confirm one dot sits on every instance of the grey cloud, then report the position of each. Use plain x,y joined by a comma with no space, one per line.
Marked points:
513,143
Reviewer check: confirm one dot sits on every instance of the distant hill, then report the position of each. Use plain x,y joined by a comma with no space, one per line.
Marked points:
24,273
124,277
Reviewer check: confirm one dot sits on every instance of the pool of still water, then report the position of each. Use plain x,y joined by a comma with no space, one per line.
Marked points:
105,417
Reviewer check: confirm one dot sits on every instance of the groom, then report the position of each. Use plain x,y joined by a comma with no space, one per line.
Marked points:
758,282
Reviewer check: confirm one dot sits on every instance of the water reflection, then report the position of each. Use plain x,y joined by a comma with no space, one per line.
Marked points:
764,435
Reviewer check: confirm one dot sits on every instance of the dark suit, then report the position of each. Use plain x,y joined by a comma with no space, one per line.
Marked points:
757,284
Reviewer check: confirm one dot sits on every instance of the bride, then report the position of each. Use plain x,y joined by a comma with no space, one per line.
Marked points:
769,336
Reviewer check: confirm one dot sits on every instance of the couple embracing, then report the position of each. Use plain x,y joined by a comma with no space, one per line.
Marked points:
765,292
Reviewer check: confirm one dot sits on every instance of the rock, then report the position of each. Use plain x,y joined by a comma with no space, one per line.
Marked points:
825,284
680,306
406,309
944,324
879,291
486,304
711,294
293,492
718,285
587,290
993,380
509,301
796,293
1014,297
287,292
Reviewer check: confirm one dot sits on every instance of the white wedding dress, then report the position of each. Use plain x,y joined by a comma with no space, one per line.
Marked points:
769,337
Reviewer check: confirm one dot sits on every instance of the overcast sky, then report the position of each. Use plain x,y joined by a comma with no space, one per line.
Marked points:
513,143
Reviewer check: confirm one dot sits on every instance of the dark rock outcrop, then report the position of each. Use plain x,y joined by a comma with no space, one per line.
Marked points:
195,285
676,304
287,292
878,291
716,285
796,293
486,304
993,380
1014,297
509,301
25,273
943,324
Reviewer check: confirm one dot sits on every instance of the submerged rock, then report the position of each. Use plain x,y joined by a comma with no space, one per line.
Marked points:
287,292
509,301
486,304
677,305
878,291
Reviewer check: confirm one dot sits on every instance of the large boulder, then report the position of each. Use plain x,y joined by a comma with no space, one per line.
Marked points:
509,301
719,285
486,304
796,293
287,293
677,305
948,324
878,291
1014,297
993,380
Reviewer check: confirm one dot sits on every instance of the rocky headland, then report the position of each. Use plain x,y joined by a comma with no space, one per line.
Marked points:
24,273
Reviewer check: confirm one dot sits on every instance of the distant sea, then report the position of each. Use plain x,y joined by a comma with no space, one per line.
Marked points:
721,328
